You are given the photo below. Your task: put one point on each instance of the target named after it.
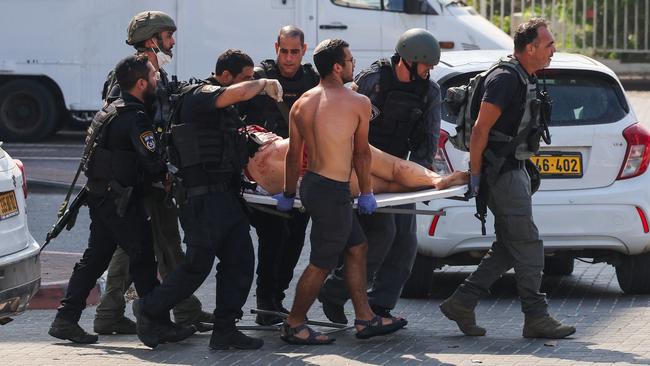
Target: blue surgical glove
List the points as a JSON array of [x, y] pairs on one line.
[[474, 184], [284, 203], [367, 203]]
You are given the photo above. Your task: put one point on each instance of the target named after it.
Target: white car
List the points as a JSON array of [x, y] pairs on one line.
[[20, 267], [594, 198]]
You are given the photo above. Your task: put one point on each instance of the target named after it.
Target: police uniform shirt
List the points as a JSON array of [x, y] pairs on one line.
[[262, 110], [368, 83], [131, 131], [504, 89], [199, 107]]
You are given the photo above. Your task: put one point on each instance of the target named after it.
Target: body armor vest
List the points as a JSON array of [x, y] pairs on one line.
[[100, 163], [529, 127], [292, 89], [400, 126], [215, 146]]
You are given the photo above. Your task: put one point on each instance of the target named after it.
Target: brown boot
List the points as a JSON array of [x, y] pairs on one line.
[[463, 315], [546, 327]]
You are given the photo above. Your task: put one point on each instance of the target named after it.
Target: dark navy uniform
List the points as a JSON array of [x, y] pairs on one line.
[[408, 122], [126, 158], [280, 240], [210, 156], [164, 222]]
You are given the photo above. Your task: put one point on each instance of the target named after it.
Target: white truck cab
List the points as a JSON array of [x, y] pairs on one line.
[[53, 66]]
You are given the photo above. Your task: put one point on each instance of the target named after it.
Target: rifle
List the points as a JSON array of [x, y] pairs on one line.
[[67, 216]]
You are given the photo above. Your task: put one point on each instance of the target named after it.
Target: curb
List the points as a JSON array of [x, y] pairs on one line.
[[43, 183], [56, 268], [50, 294]]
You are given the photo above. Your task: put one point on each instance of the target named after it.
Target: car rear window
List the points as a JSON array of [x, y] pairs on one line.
[[580, 97]]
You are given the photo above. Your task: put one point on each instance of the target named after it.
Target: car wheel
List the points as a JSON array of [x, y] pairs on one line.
[[421, 280], [558, 265], [633, 274], [27, 111]]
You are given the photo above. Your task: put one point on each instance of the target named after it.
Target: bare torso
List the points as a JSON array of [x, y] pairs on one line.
[[327, 118]]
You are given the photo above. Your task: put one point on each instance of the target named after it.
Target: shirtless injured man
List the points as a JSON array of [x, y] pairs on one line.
[[389, 174]]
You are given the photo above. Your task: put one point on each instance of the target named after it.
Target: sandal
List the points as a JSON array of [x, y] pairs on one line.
[[374, 327], [288, 334]]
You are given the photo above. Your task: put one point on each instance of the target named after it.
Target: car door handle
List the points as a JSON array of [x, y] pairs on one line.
[[333, 26]]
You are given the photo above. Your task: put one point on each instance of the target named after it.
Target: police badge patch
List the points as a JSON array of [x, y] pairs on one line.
[[148, 140], [209, 88]]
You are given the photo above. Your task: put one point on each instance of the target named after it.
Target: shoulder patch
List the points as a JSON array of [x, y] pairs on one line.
[[148, 140], [209, 88]]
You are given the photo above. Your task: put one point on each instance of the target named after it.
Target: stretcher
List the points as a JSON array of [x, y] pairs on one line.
[[385, 201]]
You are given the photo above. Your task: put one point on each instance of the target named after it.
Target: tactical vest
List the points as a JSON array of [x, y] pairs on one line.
[[400, 127], [464, 101], [160, 109], [100, 163], [276, 120], [215, 146]]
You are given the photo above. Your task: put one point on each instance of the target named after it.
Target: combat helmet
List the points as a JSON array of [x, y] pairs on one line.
[[418, 45], [147, 24]]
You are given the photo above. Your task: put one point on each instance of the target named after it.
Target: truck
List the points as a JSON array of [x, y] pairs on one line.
[[56, 54]]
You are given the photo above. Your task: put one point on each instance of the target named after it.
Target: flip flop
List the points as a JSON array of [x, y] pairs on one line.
[[374, 327], [288, 334]]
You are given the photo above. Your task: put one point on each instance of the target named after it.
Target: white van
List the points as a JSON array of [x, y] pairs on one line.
[[56, 54]]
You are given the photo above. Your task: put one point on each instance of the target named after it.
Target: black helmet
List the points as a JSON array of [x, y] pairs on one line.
[[147, 24], [418, 45]]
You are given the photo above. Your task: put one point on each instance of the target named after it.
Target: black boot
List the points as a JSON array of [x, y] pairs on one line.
[[147, 328], [267, 319], [70, 331], [334, 312], [226, 336]]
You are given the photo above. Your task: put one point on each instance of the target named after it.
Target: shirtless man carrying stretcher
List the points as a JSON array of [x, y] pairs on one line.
[[332, 122]]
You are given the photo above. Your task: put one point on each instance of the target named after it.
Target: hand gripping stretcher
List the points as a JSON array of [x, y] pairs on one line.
[[385, 201]]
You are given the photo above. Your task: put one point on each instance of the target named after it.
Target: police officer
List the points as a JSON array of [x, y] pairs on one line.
[[150, 33], [280, 240], [408, 121], [124, 159], [509, 107], [210, 153]]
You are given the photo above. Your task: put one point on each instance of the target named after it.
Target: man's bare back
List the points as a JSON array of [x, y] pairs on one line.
[[328, 117]]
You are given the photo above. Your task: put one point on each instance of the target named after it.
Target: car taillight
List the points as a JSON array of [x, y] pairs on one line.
[[441, 163], [21, 166], [434, 224], [644, 220], [637, 155]]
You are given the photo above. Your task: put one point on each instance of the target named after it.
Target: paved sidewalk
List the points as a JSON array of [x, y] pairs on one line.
[[613, 328]]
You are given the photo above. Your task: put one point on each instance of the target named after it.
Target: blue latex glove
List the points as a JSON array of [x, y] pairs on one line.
[[284, 203], [367, 203], [474, 184]]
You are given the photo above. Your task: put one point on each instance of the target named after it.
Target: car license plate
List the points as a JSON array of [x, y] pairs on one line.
[[559, 164], [8, 205]]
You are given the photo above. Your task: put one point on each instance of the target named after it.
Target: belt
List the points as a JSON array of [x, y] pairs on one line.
[[202, 190], [512, 164]]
